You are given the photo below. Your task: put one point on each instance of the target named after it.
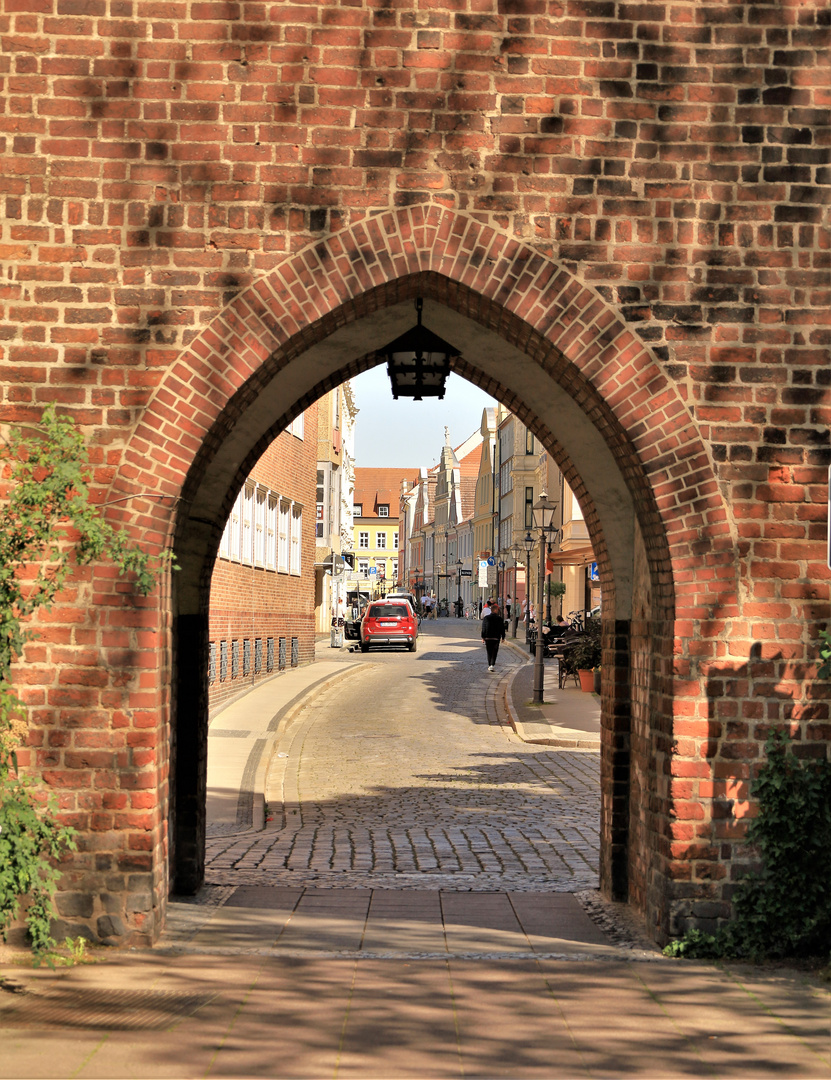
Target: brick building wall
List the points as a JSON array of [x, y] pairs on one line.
[[630, 198], [261, 606]]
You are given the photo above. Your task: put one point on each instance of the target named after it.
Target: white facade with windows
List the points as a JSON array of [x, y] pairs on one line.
[[264, 530]]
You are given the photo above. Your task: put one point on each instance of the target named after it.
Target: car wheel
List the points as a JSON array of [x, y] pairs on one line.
[[364, 647], [413, 646]]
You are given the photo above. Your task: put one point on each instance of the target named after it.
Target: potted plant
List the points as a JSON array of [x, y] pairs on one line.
[[587, 653]]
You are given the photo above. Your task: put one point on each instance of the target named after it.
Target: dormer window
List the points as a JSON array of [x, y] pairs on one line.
[[384, 510], [358, 510]]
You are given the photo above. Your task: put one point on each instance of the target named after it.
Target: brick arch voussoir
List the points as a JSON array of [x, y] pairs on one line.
[[503, 283]]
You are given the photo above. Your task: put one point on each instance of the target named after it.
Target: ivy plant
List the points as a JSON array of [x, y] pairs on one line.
[[48, 527], [783, 909]]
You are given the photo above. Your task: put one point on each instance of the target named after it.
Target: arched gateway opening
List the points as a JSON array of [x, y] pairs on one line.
[[550, 349]]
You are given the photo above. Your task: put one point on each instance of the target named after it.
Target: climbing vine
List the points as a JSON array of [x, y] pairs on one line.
[[784, 909], [48, 527]]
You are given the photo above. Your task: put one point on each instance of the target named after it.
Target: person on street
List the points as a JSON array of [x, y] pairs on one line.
[[486, 610], [493, 631]]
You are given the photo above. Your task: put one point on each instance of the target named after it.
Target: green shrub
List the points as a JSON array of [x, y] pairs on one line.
[[784, 910]]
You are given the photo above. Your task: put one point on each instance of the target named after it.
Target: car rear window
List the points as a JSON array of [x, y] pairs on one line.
[[388, 611]]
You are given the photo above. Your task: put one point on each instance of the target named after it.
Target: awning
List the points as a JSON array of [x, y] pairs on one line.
[[577, 556]]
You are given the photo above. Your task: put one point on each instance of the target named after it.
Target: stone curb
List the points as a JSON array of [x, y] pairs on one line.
[[570, 739]]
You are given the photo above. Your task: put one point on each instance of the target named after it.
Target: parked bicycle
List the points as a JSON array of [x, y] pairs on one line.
[[575, 620]]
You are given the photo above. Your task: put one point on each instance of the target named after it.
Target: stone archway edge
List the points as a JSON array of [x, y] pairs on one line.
[[313, 291]]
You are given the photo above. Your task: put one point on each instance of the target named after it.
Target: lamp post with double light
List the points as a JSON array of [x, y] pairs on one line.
[[543, 510]]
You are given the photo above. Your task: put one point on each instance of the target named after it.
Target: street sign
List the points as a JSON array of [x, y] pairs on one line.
[[491, 561], [333, 564], [466, 573]]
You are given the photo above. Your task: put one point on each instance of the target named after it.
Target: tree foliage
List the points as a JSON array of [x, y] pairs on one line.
[[48, 527]]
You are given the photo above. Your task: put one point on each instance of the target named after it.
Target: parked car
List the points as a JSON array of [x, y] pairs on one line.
[[408, 596], [389, 622]]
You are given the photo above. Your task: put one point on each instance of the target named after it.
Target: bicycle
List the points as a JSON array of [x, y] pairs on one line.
[[575, 620]]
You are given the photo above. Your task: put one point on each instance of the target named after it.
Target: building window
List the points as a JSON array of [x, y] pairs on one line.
[[529, 442], [358, 510], [297, 427], [363, 539], [234, 524], [380, 540], [283, 527], [271, 533], [395, 569], [296, 537], [247, 542], [363, 568], [529, 508], [395, 541], [384, 510], [320, 496], [260, 507]]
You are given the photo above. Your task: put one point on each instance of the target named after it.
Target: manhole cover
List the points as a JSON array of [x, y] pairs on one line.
[[122, 1010]]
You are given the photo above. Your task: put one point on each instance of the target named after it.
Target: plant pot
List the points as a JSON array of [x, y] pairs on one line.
[[586, 681]]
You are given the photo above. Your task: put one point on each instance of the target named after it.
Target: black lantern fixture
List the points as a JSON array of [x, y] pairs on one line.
[[418, 362]]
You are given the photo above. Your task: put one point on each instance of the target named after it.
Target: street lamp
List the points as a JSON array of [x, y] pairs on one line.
[[418, 362], [459, 565], [516, 555], [543, 510], [528, 544]]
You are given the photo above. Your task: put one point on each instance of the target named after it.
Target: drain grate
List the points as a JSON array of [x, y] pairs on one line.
[[109, 1010]]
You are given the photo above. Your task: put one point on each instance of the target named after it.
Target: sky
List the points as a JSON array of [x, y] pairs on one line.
[[398, 434]]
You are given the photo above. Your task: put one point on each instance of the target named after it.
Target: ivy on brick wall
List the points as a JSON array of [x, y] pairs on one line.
[[48, 527], [784, 908]]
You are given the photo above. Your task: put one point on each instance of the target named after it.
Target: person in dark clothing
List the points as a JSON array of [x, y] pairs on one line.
[[493, 631]]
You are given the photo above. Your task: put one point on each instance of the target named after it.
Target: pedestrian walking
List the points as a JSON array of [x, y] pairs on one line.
[[493, 631], [486, 610]]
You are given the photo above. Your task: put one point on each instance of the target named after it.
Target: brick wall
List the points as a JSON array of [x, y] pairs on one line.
[[262, 620], [633, 194]]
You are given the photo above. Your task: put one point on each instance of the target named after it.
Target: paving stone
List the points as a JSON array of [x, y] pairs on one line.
[[405, 775]]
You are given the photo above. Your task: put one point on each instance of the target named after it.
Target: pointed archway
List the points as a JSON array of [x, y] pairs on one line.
[[550, 349]]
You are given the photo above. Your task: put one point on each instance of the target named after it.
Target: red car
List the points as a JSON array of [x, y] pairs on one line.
[[389, 622]]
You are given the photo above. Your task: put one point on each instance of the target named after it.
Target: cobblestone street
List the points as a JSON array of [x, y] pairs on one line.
[[404, 776]]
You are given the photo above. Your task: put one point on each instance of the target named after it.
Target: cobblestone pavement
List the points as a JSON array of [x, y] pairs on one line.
[[404, 776]]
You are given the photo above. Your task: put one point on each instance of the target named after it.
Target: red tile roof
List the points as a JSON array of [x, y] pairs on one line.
[[374, 487]]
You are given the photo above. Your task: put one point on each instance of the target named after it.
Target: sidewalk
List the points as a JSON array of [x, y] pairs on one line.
[[242, 737]]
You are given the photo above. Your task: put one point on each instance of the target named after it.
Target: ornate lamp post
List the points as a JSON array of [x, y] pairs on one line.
[[528, 544], [516, 555], [459, 605], [543, 510]]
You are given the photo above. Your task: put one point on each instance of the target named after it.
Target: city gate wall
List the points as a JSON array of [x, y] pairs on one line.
[[194, 194]]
